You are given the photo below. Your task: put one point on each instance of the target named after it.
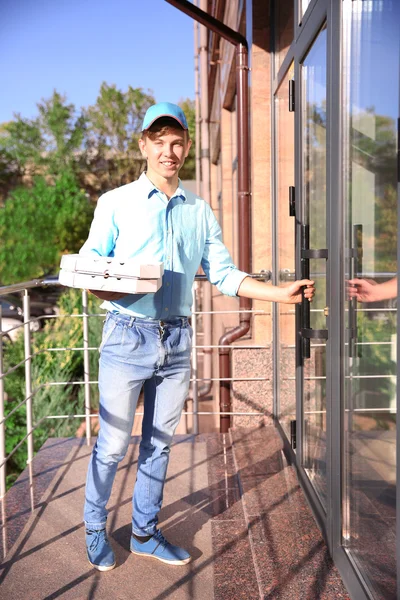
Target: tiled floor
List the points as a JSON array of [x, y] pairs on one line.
[[229, 499], [290, 557]]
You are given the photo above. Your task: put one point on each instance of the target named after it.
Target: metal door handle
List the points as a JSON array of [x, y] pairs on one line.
[[356, 256], [306, 332]]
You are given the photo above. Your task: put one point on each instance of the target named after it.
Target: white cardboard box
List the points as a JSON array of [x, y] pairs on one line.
[[110, 274]]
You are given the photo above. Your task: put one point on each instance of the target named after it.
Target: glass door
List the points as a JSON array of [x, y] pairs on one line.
[[370, 174], [312, 231], [285, 225]]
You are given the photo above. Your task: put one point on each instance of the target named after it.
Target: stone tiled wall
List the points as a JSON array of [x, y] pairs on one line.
[[252, 396]]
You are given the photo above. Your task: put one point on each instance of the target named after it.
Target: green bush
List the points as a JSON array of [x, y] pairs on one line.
[[47, 367], [39, 224]]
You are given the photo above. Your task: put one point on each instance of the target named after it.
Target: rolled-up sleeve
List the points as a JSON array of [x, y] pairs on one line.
[[217, 262], [103, 230]]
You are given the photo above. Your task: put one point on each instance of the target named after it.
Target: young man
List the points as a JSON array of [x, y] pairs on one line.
[[147, 337]]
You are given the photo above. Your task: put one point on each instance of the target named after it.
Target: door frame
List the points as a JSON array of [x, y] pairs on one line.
[[329, 520]]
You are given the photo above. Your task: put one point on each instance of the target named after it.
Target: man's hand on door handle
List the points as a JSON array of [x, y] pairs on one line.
[[287, 294]]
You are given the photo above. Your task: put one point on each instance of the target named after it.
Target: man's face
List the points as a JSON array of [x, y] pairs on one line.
[[166, 153]]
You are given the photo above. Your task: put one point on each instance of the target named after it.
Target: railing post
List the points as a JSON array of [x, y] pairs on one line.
[[195, 386], [86, 363], [28, 375], [2, 415]]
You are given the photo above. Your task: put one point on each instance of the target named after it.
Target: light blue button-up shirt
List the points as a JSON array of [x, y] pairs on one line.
[[138, 221]]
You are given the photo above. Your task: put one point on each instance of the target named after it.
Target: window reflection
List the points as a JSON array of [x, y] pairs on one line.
[[304, 6], [314, 238], [371, 289]]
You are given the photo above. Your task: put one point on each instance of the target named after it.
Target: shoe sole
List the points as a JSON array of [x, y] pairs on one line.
[[102, 568], [177, 563]]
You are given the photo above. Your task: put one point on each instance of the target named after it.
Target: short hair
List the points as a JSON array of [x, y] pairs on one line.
[[162, 126]]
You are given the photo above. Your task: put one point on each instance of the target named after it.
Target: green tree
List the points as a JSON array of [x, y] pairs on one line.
[[378, 156], [114, 126], [21, 144], [39, 224], [47, 144], [63, 131], [188, 170]]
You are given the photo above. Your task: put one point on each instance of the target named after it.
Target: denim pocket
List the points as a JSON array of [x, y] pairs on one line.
[[108, 328], [132, 338]]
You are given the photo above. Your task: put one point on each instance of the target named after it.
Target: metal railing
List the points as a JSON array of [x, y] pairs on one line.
[[87, 382], [87, 415]]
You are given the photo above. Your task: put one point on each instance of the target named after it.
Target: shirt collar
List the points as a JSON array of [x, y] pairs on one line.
[[149, 188]]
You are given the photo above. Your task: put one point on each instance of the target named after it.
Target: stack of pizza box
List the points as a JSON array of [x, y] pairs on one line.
[[110, 274]]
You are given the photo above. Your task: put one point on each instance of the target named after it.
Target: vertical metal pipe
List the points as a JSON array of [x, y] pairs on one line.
[[204, 111], [197, 105], [86, 362], [244, 186], [2, 415], [244, 195], [195, 386], [28, 375], [4, 527], [206, 195]]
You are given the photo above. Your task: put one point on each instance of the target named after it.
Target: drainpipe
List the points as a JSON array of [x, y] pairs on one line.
[[203, 167], [242, 91], [197, 104], [245, 304], [206, 195]]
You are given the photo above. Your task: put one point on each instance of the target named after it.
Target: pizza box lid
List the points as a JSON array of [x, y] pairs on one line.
[[127, 285], [108, 266]]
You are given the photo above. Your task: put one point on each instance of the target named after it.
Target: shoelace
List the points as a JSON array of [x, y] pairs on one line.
[[98, 536], [160, 538]]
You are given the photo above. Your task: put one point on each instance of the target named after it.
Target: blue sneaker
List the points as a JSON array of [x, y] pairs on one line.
[[99, 552], [158, 547]]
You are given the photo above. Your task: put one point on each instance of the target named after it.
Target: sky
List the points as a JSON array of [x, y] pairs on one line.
[[74, 45]]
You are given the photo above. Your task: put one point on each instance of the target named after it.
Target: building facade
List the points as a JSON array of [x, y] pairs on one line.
[[323, 118]]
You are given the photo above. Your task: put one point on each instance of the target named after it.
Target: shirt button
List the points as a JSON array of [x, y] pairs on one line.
[[167, 283], [166, 309]]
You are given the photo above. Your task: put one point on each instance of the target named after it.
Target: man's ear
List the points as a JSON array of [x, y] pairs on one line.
[[142, 147], [189, 143]]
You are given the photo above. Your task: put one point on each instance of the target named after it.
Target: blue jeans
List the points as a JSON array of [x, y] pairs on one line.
[[134, 353]]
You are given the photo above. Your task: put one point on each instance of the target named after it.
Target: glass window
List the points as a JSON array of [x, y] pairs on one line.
[[371, 104], [314, 238]]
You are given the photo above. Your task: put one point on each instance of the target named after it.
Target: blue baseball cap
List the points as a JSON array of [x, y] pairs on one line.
[[164, 109]]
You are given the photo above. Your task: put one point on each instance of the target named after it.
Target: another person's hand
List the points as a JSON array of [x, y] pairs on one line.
[[364, 290], [292, 293], [368, 290], [107, 295]]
